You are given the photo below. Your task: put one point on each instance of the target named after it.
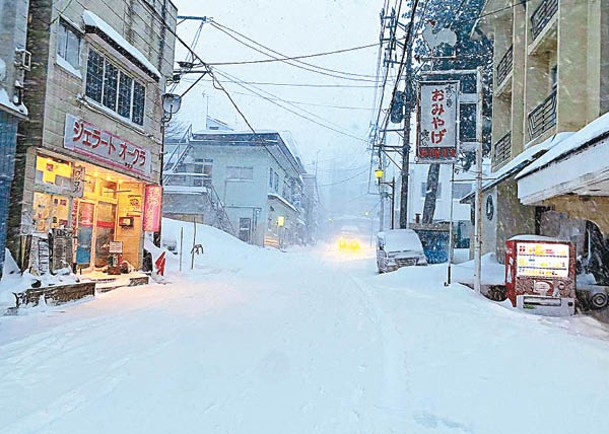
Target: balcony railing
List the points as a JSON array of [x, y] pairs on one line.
[[503, 149], [504, 67], [543, 117], [542, 16]]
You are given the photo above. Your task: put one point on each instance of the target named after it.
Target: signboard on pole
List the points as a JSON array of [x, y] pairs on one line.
[[438, 129], [152, 208]]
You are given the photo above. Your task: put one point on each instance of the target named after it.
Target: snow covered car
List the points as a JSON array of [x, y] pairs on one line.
[[398, 248]]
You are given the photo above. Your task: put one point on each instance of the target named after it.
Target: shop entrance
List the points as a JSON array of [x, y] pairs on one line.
[[105, 208]]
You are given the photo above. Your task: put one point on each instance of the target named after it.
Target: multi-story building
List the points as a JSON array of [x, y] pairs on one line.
[[253, 179], [92, 148], [551, 69], [14, 60]]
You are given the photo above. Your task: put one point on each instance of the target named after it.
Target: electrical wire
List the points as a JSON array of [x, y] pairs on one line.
[[274, 100], [310, 67], [307, 56]]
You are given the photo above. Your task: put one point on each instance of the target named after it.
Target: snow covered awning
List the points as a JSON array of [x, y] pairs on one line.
[[578, 165], [522, 160], [97, 26]]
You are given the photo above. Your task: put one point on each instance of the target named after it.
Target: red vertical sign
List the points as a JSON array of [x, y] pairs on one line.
[[153, 198]]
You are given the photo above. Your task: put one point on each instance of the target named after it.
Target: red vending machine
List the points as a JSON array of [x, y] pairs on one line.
[[540, 274]]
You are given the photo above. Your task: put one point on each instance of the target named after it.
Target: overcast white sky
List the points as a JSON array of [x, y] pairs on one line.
[[293, 27]]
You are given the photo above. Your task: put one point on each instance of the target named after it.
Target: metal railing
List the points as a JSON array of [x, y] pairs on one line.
[[503, 149], [542, 16], [504, 67], [543, 117]]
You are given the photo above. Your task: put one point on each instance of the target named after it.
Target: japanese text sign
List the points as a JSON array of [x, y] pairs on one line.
[[152, 208], [437, 137], [89, 140]]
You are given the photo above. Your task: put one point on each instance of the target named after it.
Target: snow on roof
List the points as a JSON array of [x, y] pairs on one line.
[[593, 130], [92, 20], [523, 159], [401, 239]]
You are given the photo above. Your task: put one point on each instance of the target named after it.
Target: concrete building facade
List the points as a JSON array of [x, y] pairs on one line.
[[550, 80], [256, 178], [14, 61], [92, 147]]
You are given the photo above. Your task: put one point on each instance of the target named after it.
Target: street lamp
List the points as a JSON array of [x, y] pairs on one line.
[[171, 105], [378, 174]]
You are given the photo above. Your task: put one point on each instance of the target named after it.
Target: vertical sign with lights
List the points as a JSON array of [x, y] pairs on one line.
[[152, 208], [438, 128]]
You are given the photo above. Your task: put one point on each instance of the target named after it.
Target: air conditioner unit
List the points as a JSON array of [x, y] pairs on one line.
[[23, 59]]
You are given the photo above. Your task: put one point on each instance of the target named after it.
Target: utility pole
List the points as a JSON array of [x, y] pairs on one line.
[[478, 211], [405, 154]]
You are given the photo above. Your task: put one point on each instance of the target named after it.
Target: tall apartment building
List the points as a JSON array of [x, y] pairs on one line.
[[14, 60], [92, 147], [551, 79]]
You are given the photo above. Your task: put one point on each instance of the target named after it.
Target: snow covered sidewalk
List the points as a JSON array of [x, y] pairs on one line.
[[257, 341]]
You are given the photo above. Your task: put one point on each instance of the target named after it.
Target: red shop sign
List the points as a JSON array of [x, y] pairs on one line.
[[153, 198]]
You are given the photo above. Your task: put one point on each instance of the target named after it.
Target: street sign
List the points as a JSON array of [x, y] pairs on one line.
[[438, 132]]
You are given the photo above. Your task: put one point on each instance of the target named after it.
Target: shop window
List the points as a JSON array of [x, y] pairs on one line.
[[68, 44], [90, 184], [50, 212], [108, 189], [114, 88], [54, 174]]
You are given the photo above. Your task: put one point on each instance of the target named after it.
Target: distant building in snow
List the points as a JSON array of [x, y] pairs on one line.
[[250, 185]]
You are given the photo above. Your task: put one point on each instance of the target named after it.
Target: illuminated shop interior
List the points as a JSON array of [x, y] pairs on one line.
[[106, 207]]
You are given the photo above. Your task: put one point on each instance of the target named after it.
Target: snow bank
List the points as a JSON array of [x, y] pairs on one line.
[[493, 273]]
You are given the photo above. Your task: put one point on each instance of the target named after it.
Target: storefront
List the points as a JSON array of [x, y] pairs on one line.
[[88, 216]]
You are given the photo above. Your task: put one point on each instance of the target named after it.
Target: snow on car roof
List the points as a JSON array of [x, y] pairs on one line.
[[401, 239]]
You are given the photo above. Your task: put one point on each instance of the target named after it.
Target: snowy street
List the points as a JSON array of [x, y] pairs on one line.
[[309, 341]]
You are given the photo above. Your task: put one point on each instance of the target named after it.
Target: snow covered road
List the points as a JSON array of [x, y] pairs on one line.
[[304, 342]]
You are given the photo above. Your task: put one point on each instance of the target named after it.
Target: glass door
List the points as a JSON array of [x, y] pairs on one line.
[[104, 232]]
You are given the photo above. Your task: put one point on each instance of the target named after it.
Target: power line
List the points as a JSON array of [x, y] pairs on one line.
[[273, 100], [342, 181], [307, 56], [309, 67]]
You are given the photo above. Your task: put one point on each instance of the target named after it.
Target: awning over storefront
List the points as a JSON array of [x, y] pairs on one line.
[[578, 165]]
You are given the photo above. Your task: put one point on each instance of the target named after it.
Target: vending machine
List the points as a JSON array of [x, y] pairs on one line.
[[540, 274]]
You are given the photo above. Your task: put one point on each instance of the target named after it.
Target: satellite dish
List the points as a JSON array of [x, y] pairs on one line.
[[171, 103]]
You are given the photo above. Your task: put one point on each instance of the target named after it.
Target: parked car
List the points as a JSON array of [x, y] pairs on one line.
[[398, 248]]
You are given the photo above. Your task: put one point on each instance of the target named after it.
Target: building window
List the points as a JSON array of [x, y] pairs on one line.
[[271, 178], [68, 45], [240, 173], [115, 89], [461, 190]]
